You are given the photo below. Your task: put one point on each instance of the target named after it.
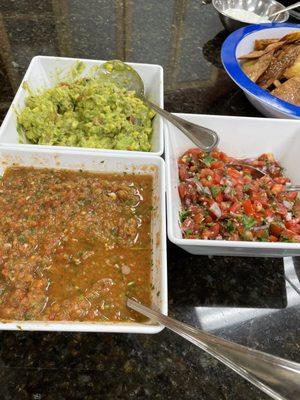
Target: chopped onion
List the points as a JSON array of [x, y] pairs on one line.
[[287, 204], [227, 190], [270, 219], [289, 216], [258, 228], [125, 269], [201, 188], [215, 209]]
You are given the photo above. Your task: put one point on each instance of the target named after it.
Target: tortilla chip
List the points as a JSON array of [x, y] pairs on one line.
[[259, 53], [293, 70], [255, 68], [289, 91], [291, 37], [261, 44], [282, 60], [253, 54]]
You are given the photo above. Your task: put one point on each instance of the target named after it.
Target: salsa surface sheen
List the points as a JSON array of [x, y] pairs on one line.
[[74, 244]]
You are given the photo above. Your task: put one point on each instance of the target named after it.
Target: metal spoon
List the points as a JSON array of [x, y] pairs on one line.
[[127, 77], [295, 5], [277, 377], [260, 173]]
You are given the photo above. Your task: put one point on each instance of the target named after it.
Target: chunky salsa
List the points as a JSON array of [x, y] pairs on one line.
[[223, 199], [74, 244]]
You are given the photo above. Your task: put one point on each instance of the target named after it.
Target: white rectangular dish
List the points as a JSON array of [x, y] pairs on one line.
[[239, 137], [103, 162], [42, 73]]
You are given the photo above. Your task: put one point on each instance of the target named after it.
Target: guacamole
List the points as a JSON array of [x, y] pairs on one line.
[[88, 112]]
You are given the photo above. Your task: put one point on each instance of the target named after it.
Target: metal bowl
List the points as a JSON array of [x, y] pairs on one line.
[[260, 7]]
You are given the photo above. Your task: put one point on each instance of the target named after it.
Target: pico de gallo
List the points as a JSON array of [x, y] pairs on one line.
[[223, 199]]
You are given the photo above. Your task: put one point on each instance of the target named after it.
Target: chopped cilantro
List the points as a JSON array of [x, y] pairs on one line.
[[208, 160], [183, 215], [188, 232], [215, 190], [248, 221], [285, 239], [246, 187], [22, 239], [230, 226]]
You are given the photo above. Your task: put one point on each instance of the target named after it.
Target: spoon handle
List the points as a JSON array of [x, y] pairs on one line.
[[285, 9], [277, 377], [203, 137], [292, 188]]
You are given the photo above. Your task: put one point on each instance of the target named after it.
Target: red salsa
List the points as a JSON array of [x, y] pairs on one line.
[[223, 200], [74, 244]]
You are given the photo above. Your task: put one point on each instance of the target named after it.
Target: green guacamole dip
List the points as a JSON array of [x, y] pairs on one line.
[[89, 112]]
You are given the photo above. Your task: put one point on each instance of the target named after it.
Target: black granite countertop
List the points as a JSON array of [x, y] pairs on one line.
[[254, 302]]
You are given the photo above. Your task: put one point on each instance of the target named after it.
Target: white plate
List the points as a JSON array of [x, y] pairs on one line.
[[239, 137], [103, 162], [42, 73]]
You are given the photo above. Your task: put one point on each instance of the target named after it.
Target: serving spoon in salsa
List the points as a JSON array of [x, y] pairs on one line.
[[124, 75], [277, 377]]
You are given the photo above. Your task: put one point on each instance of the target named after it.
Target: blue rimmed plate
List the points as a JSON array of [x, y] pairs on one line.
[[241, 42]]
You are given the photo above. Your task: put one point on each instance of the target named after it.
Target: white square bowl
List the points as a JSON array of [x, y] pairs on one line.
[[42, 73], [103, 162], [239, 137]]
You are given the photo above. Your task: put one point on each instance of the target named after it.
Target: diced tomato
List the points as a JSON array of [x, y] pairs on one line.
[[219, 197], [257, 205], [188, 224], [182, 190], [281, 180], [277, 188], [273, 238], [290, 195], [196, 152], [281, 209], [212, 231], [198, 218], [260, 233], [275, 229], [216, 164], [288, 234], [222, 156], [236, 206], [269, 212], [217, 178], [248, 208], [183, 171], [293, 226], [234, 173], [208, 219]]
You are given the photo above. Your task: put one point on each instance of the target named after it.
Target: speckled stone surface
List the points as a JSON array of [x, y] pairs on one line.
[[245, 300]]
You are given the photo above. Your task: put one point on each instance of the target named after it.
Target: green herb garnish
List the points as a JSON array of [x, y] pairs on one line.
[[22, 238], [215, 190], [208, 160], [246, 187], [248, 221], [183, 215], [230, 226]]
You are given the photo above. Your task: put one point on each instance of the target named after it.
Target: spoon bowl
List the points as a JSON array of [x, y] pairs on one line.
[[125, 76]]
